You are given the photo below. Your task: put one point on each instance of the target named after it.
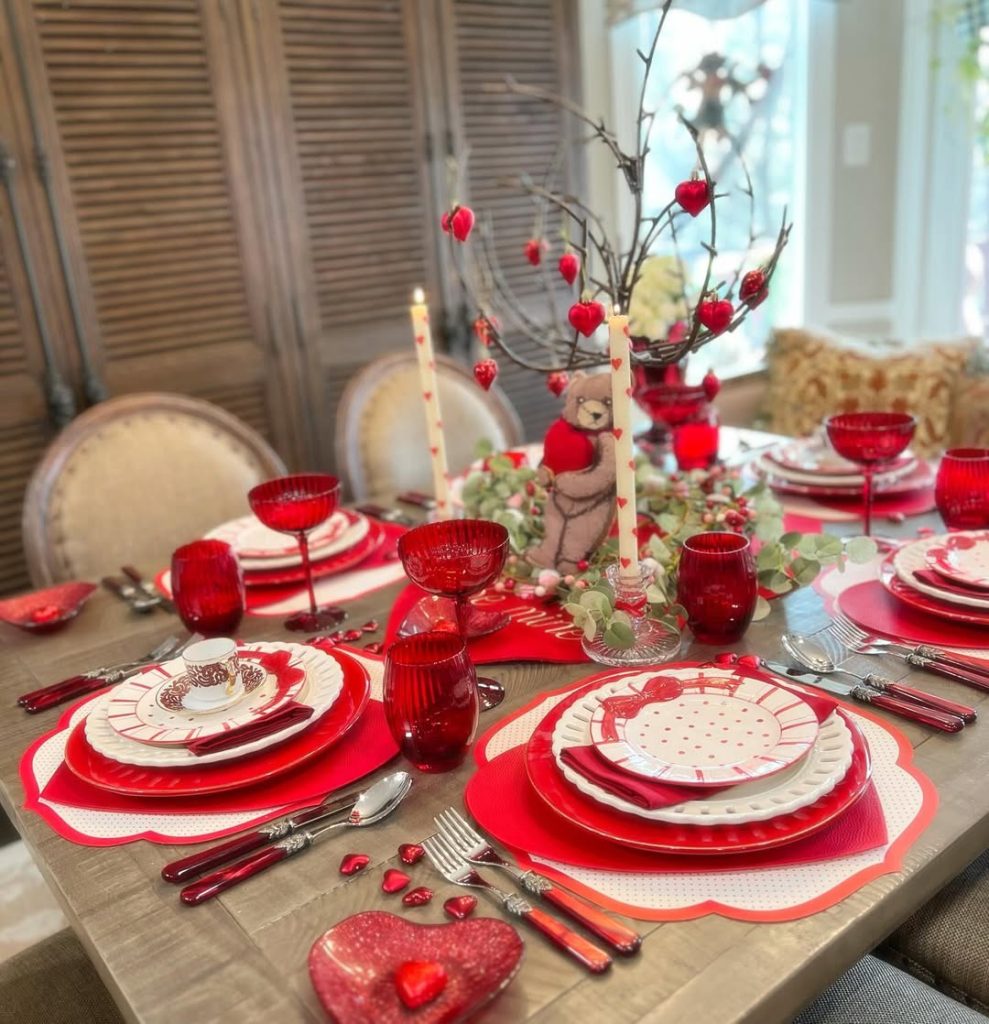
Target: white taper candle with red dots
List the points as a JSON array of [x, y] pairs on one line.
[[621, 415], [431, 402]]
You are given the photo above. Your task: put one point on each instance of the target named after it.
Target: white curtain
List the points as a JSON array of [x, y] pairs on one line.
[[619, 10]]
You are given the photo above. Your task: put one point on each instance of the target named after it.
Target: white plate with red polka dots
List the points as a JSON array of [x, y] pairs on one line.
[[701, 727]]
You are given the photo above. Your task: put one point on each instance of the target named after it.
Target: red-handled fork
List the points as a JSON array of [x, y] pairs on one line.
[[475, 849], [455, 869]]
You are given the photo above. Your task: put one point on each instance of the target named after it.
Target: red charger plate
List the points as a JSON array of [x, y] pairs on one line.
[[136, 780], [665, 837], [925, 603], [340, 562]]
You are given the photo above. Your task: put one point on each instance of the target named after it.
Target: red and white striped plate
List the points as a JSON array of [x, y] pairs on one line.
[[701, 727]]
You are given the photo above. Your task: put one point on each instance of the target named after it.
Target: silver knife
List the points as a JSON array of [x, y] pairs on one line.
[[148, 589]]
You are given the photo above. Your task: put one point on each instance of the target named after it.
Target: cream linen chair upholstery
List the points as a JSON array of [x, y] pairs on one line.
[[381, 429], [131, 479]]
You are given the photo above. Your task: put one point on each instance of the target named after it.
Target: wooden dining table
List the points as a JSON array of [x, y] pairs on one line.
[[242, 957]]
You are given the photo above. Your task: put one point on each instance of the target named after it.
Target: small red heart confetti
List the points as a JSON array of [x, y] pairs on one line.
[[711, 385], [411, 853], [557, 382], [376, 647], [419, 982], [394, 880], [459, 907], [534, 250], [569, 267], [692, 195], [586, 317], [715, 314], [485, 372], [417, 897], [353, 634], [753, 291], [617, 431], [371, 626], [354, 862]]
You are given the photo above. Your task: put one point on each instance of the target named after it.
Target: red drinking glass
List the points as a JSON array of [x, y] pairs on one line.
[[297, 504], [431, 700], [695, 441], [962, 488], [870, 439], [716, 583], [208, 587]]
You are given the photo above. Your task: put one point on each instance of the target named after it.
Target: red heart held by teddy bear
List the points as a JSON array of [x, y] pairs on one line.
[[569, 267], [355, 965], [715, 314], [586, 317], [485, 372], [692, 195]]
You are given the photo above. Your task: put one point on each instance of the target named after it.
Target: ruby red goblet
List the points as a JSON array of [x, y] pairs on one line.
[[296, 505], [208, 587], [717, 585], [871, 439]]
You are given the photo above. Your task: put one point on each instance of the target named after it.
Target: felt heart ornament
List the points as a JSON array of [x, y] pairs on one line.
[[485, 372], [715, 314], [557, 382], [586, 317], [692, 195], [356, 965], [394, 881], [534, 250], [418, 982], [569, 267], [753, 291], [462, 222]]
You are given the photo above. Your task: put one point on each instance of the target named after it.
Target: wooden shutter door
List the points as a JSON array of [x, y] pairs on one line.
[[171, 301], [507, 135]]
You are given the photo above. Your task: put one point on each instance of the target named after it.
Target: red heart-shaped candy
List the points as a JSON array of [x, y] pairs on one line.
[[692, 195], [411, 853], [418, 982], [459, 907], [354, 862], [394, 880], [418, 897]]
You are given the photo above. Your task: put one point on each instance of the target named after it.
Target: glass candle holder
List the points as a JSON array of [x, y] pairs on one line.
[[962, 488], [716, 584], [431, 700], [208, 587]]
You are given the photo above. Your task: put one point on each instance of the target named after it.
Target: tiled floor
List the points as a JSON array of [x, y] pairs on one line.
[[28, 911]]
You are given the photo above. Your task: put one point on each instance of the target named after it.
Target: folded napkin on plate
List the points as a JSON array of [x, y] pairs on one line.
[[933, 579], [275, 722]]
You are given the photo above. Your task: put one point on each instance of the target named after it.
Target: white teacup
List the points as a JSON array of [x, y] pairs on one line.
[[213, 672]]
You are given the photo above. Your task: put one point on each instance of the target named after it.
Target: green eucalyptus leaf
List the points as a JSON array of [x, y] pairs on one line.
[[790, 540], [769, 528], [619, 635], [770, 557], [590, 629], [805, 570], [762, 609], [861, 549]]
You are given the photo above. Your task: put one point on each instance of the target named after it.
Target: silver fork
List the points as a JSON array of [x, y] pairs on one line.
[[475, 849], [960, 667], [455, 869]]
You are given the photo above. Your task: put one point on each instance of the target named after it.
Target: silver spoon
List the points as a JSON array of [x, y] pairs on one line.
[[372, 806]]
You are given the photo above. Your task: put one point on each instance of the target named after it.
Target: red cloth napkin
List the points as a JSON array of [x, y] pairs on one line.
[[282, 718], [933, 579], [506, 807], [870, 606], [367, 746], [537, 630]]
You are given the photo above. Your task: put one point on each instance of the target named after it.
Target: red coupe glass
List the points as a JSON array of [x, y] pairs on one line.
[[716, 583], [870, 439], [431, 700], [297, 504], [208, 587], [456, 558], [962, 488]]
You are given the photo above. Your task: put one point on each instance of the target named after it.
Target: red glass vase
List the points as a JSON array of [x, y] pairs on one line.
[[962, 488], [208, 587], [716, 584], [431, 700]]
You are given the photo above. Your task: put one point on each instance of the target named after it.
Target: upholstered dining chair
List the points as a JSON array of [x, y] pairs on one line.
[[131, 479], [381, 430]]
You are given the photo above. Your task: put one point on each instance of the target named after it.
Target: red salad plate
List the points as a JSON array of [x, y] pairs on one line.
[[664, 837], [353, 967], [134, 780], [924, 603], [340, 562]]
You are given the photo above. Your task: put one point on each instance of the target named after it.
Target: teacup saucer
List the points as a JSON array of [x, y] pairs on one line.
[[177, 695]]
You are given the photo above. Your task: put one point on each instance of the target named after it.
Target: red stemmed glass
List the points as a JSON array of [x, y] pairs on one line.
[[870, 439], [456, 558], [431, 699], [208, 587], [962, 488], [716, 583], [297, 504]]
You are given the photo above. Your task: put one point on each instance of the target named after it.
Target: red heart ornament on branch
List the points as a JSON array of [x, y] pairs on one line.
[[485, 372], [715, 314], [557, 382], [569, 267], [534, 250], [586, 317], [459, 221], [753, 291], [692, 195]]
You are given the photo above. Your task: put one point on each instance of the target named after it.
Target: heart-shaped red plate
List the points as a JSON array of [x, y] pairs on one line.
[[353, 965]]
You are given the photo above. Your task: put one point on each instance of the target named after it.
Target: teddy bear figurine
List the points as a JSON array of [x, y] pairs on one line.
[[578, 469]]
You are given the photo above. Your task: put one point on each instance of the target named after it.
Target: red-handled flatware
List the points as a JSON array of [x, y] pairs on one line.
[[455, 869], [475, 849], [932, 700], [373, 805], [187, 868]]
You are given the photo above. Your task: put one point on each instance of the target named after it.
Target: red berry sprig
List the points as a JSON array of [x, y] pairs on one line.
[[485, 372]]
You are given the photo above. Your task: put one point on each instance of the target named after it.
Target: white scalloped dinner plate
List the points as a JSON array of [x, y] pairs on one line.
[[798, 786], [913, 556], [323, 685], [325, 540]]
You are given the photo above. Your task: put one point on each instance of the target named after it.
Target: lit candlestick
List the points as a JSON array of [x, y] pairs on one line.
[[431, 398], [621, 414]]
